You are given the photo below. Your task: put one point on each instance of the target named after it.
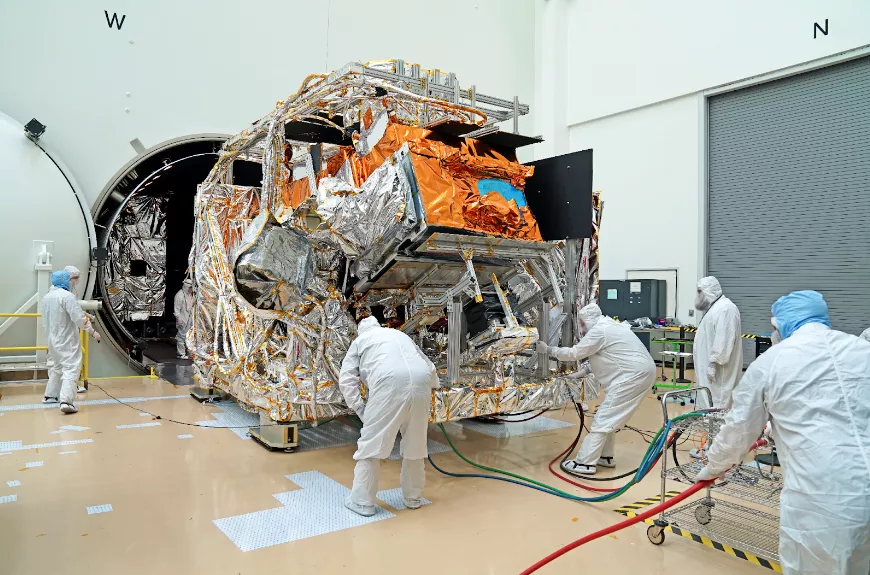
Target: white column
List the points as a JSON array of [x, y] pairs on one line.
[[42, 267]]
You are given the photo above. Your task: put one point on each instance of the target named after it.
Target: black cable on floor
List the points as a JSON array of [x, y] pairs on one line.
[[160, 417]]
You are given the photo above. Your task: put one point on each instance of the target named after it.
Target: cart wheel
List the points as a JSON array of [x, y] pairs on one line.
[[692, 400], [664, 377], [683, 402], [703, 515], [655, 534]]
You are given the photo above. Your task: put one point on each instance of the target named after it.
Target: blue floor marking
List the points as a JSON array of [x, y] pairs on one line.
[[395, 499], [315, 509], [29, 406], [17, 446]]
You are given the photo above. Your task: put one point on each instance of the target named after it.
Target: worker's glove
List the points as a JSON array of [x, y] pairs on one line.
[[711, 373], [582, 372], [705, 475], [542, 347], [97, 337]]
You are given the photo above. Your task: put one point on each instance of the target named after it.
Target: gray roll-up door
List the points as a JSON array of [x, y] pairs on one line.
[[789, 194]]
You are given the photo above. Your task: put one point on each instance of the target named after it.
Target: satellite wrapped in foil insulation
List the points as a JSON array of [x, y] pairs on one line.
[[136, 278], [365, 206]]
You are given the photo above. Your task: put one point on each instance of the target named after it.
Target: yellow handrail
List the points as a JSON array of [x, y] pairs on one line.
[[26, 348], [20, 315]]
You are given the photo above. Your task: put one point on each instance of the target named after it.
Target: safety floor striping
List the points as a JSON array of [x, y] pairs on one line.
[[632, 509], [29, 406]]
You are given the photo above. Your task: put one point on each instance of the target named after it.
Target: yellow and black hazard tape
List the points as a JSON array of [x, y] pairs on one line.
[[631, 510], [692, 329]]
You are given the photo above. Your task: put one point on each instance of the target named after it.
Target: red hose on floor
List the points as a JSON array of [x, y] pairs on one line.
[[619, 526]]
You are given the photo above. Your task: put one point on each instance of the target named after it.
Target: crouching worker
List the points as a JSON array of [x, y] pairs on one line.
[[624, 369], [399, 380]]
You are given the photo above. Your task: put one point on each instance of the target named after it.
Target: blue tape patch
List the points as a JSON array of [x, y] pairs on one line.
[[232, 416], [13, 483], [99, 509], [30, 464], [16, 445], [395, 499], [64, 428], [502, 188], [67, 452], [185, 436], [315, 509], [8, 499], [132, 425]]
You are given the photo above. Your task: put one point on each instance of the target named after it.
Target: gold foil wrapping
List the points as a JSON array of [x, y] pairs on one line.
[[358, 206]]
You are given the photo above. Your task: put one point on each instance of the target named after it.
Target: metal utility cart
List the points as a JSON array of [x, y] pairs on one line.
[[676, 355], [742, 511]]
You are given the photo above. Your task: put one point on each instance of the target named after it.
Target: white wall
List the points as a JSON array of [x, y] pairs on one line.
[[628, 85], [213, 66], [646, 163], [28, 178], [629, 53], [199, 66]]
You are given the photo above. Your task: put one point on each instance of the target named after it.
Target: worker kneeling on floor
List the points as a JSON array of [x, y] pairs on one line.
[[63, 318], [399, 379], [625, 371]]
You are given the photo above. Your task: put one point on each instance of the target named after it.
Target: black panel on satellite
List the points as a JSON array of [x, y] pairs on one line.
[[560, 195]]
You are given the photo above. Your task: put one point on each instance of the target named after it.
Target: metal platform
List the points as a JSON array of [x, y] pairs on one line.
[[276, 437], [202, 395]]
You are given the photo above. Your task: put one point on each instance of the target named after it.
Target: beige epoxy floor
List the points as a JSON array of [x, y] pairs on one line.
[[166, 492]]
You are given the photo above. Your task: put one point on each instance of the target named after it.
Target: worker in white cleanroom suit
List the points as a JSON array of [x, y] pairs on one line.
[[718, 349], [399, 380], [814, 387], [624, 370], [183, 307], [74, 275], [62, 318]]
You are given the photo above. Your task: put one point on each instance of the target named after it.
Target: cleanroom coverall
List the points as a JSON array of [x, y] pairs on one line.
[[718, 348]]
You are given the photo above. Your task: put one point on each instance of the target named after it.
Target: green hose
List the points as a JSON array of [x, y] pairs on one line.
[[607, 497]]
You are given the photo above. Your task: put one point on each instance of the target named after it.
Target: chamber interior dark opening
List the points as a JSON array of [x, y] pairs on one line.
[[148, 223]]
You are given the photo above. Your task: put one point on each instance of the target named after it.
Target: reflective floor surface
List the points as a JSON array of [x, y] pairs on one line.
[[111, 490]]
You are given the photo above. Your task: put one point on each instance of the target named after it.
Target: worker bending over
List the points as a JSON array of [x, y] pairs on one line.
[[814, 387], [718, 349], [399, 380], [625, 371], [63, 318], [183, 308]]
